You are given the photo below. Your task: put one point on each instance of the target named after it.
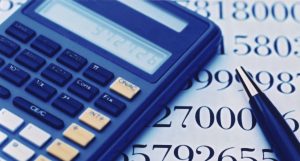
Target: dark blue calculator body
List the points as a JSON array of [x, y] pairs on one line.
[[80, 78]]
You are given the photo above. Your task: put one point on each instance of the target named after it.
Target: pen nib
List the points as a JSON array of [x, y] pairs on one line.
[[249, 86]]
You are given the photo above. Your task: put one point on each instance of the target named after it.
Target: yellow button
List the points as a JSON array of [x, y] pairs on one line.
[[62, 150], [94, 119], [42, 158], [124, 88], [78, 134]]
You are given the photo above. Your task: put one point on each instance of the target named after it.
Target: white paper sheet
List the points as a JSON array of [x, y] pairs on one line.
[[219, 124]]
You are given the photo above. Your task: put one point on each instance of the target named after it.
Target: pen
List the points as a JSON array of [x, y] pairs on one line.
[[276, 130]]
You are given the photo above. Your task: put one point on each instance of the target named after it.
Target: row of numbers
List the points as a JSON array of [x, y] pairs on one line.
[[264, 46], [200, 153], [242, 10], [223, 79], [205, 118]]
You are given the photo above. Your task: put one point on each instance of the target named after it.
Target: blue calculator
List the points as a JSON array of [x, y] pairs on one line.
[[79, 79]]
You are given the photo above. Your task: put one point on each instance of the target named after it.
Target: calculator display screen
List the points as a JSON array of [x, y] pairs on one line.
[[156, 13], [105, 34]]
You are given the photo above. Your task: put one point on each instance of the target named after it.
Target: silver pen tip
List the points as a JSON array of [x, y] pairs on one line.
[[249, 86]]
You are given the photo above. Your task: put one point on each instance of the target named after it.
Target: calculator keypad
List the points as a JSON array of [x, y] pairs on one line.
[[125, 88], [94, 119], [98, 74], [72, 60], [7, 47], [79, 135], [41, 90], [14, 74], [4, 92], [3, 137], [9, 120], [30, 60], [2, 62], [68, 105], [38, 113], [18, 151], [35, 135], [110, 104], [70, 102], [20, 32], [62, 150], [46, 46], [83, 89], [57, 75], [42, 158]]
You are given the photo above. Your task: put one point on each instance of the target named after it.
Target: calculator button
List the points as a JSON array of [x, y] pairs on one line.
[[18, 151], [72, 60], [57, 75], [2, 62], [8, 47], [68, 105], [38, 113], [41, 90], [14, 75], [62, 150], [78, 134], [83, 89], [124, 88], [98, 74], [30, 60], [41, 158], [45, 46], [110, 104], [94, 119], [3, 137], [4, 92], [20, 32], [10, 120], [35, 135]]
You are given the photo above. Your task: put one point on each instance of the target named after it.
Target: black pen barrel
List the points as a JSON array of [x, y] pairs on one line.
[[280, 136]]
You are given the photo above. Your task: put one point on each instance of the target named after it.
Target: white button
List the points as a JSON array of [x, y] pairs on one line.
[[3, 137], [18, 151], [10, 120], [35, 135], [1, 159]]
